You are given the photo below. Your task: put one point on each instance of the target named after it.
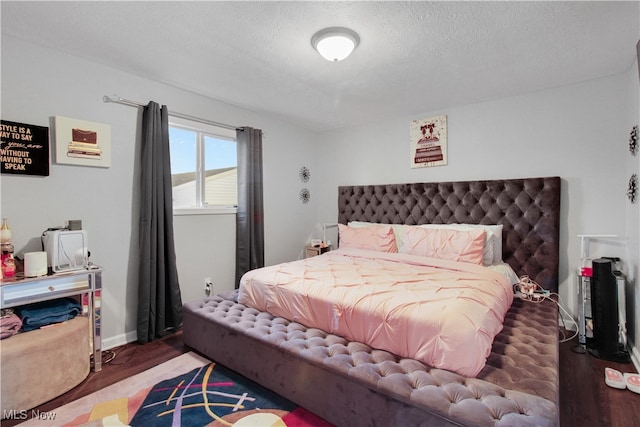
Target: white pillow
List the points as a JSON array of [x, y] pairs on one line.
[[506, 270]]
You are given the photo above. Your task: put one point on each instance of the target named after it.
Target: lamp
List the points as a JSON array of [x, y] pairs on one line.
[[324, 231], [335, 43]]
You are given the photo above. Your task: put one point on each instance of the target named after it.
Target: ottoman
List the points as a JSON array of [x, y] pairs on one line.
[[42, 364]]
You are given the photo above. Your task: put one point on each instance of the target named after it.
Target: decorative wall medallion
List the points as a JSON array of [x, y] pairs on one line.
[[304, 174], [633, 188], [633, 140], [305, 195]]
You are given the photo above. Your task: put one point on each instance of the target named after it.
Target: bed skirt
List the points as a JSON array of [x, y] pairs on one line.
[[349, 383]]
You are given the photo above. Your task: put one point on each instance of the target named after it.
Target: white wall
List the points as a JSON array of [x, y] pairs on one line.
[[632, 257], [39, 83], [577, 132]]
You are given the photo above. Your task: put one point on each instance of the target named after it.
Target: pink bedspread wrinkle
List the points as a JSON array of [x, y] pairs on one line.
[[443, 313]]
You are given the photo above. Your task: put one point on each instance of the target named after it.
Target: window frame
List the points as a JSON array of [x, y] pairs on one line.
[[202, 130]]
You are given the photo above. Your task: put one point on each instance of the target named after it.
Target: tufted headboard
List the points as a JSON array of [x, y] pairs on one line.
[[528, 209]]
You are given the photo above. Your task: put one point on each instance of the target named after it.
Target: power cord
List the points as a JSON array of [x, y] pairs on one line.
[[528, 290], [123, 349], [108, 356]]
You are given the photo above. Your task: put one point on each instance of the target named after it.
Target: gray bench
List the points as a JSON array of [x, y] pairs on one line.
[[349, 383]]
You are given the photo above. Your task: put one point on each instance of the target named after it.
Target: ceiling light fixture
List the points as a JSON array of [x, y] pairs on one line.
[[335, 43]]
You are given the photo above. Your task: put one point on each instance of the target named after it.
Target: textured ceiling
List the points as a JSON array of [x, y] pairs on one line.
[[414, 57]]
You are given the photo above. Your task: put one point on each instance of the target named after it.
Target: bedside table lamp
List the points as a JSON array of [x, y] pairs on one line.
[[324, 230]]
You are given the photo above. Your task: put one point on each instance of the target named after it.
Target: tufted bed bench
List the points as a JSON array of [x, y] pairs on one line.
[[349, 383]]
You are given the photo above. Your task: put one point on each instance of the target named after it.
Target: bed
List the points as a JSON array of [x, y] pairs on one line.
[[349, 381]]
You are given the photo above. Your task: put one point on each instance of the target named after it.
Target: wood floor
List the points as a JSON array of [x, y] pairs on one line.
[[585, 399]]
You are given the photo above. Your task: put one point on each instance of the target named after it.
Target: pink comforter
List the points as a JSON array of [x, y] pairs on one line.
[[443, 313]]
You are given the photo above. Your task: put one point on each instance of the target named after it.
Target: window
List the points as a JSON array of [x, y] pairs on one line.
[[204, 166]]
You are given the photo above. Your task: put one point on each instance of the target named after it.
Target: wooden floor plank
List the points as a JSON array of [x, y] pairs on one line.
[[586, 400]]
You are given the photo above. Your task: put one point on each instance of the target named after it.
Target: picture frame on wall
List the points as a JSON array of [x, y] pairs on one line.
[[428, 142], [24, 149], [82, 143]]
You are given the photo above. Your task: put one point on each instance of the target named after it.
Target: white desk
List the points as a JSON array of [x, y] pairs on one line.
[[16, 291]]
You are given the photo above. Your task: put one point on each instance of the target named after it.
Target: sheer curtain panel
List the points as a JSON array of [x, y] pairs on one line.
[[249, 218], [159, 300]]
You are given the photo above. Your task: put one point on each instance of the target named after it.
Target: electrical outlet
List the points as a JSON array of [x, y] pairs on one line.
[[208, 286]]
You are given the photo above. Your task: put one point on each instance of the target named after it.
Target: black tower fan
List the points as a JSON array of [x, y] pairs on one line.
[[604, 309]]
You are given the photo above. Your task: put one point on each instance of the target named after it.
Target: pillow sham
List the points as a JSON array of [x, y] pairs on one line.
[[492, 251], [397, 228], [496, 239], [444, 243], [374, 238]]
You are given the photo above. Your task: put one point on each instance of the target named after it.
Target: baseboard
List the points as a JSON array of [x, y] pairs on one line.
[[119, 340], [635, 355]]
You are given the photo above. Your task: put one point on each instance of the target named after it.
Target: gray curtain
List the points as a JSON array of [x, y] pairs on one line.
[[249, 219], [159, 300]]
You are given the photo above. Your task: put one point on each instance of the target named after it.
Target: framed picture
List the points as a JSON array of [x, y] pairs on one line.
[[83, 143], [24, 149], [428, 141]]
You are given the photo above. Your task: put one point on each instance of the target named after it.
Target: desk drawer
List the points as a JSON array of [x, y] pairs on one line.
[[41, 290]]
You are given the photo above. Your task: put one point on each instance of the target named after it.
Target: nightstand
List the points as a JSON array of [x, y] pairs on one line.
[[310, 251]]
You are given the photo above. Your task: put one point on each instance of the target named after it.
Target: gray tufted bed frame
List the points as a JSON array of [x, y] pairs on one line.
[[351, 384]]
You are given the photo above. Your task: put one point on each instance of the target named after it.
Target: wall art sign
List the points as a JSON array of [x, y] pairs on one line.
[[83, 143], [24, 148], [428, 142]]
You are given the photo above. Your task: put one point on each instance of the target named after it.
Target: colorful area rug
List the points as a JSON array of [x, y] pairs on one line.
[[186, 391]]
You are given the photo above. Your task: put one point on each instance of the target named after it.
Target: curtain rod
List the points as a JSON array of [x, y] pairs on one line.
[[117, 100]]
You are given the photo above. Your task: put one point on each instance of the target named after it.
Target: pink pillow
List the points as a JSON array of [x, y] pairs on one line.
[[375, 238], [453, 245]]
